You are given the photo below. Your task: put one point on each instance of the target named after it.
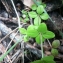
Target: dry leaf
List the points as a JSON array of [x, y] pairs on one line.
[[28, 3]]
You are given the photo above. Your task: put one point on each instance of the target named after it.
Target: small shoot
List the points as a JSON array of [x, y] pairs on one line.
[[25, 16]]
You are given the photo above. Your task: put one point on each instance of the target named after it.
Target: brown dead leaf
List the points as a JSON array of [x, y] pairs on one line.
[[28, 3]]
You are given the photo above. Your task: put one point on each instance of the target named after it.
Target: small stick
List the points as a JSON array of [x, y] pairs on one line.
[[11, 41], [49, 43], [8, 35]]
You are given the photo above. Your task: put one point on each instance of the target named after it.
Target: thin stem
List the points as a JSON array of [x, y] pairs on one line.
[[49, 43], [41, 44], [16, 13], [18, 24]]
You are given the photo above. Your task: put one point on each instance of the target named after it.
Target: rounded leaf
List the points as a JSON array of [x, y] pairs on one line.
[[31, 31], [55, 43], [44, 16], [37, 20], [22, 30], [40, 9], [32, 14], [42, 28], [33, 7], [48, 35]]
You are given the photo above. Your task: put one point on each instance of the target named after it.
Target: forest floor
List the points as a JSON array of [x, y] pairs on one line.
[[11, 51]]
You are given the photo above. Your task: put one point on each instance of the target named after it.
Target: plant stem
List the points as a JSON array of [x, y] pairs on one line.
[[16, 13], [41, 44]]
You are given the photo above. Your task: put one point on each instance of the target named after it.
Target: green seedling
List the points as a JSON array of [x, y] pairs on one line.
[[38, 14], [55, 43], [35, 31], [54, 52], [24, 17], [38, 30]]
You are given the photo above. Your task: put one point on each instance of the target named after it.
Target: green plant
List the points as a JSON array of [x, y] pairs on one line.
[[24, 17], [38, 14], [38, 30]]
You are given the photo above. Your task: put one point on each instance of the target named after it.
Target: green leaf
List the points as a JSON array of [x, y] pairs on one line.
[[32, 14], [37, 61], [37, 20], [26, 19], [33, 7], [36, 27], [44, 16], [24, 12], [31, 31], [48, 59], [40, 9], [38, 40], [26, 38], [48, 35], [22, 30], [42, 28]]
